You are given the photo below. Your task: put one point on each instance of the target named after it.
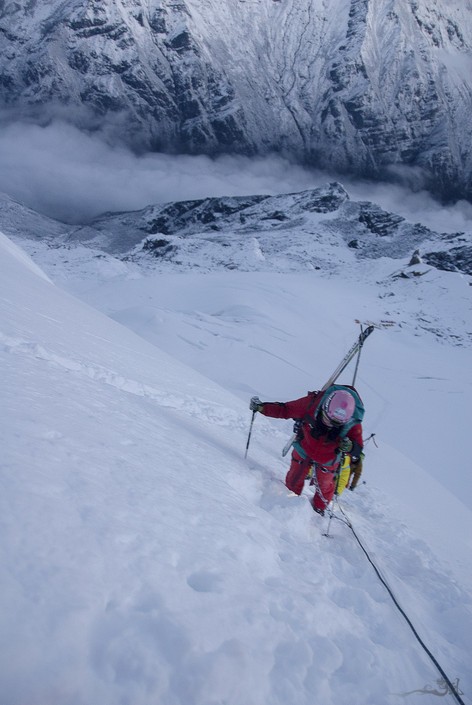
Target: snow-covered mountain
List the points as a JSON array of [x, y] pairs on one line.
[[356, 86], [320, 230], [258, 232]]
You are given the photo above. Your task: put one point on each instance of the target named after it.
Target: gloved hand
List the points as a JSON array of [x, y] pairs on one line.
[[346, 445], [354, 459], [255, 404]]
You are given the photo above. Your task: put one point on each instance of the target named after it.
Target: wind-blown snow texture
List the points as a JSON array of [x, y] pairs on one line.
[[352, 85], [142, 559]]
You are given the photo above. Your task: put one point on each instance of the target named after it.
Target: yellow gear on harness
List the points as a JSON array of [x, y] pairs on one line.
[[344, 473]]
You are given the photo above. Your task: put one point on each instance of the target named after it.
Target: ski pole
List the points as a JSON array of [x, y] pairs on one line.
[[326, 533], [331, 511], [249, 434]]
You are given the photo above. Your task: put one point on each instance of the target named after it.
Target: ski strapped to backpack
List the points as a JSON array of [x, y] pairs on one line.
[[356, 348]]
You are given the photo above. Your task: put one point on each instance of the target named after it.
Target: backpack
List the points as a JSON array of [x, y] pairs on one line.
[[317, 399]]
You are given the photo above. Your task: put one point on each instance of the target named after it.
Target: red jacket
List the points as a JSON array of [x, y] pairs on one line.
[[320, 444]]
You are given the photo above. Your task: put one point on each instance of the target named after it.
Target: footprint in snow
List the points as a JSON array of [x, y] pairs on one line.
[[204, 581]]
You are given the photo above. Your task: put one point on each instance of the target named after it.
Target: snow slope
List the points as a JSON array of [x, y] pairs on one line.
[[144, 561]]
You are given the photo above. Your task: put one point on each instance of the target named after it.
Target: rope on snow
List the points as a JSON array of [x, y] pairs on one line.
[[452, 687]]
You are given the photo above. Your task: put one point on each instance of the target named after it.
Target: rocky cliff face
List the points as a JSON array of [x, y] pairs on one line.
[[357, 86]]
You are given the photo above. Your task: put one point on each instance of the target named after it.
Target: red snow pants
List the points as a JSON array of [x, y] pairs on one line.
[[326, 482]]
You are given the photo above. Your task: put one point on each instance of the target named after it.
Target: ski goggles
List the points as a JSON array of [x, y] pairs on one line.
[[330, 422]]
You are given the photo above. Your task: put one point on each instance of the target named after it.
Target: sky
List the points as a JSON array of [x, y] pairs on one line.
[[73, 176], [144, 560]]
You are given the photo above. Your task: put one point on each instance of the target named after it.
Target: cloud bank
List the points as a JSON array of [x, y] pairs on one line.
[[73, 176]]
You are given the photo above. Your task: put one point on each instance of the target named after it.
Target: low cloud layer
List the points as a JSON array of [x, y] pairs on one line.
[[72, 176]]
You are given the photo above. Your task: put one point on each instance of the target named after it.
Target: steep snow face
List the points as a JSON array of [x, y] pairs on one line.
[[357, 86], [144, 560]]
